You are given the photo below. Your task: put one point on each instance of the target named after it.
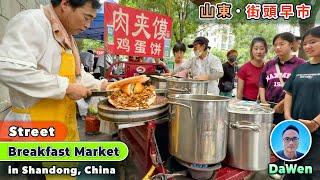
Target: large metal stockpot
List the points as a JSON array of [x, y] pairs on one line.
[[186, 86], [159, 82], [198, 128], [248, 138]]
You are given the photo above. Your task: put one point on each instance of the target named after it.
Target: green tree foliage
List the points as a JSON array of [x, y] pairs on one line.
[[304, 25], [91, 44], [184, 14], [308, 23], [221, 54], [244, 33]]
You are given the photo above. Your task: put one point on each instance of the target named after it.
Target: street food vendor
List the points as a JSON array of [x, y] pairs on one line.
[[40, 63], [203, 65]]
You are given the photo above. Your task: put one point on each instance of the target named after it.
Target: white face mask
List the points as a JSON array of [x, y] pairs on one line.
[[197, 53]]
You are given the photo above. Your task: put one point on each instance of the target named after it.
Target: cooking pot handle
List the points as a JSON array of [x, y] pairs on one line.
[[170, 112], [183, 105], [179, 90], [245, 126]]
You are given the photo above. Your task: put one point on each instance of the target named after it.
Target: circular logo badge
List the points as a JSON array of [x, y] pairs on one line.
[[141, 69], [290, 140]]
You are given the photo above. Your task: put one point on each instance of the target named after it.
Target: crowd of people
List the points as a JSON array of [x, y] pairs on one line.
[[286, 83]]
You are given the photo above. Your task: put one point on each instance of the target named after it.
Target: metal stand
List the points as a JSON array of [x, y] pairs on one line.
[[144, 152]]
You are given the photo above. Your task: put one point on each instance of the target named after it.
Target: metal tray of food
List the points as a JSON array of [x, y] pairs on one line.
[[157, 110]]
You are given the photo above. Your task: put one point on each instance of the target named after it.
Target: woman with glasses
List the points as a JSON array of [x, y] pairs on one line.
[[302, 100]]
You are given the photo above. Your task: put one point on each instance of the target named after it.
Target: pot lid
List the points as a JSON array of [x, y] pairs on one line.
[[186, 80], [159, 77], [248, 107], [198, 97]]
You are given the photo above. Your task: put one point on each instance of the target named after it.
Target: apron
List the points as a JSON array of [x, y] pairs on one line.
[[63, 111]]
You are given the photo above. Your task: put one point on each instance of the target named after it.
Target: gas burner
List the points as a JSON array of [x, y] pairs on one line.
[[200, 171]]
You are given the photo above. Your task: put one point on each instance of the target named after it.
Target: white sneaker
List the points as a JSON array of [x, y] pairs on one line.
[[276, 176]]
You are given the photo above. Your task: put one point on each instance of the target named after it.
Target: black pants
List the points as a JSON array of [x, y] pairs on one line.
[[162, 138], [277, 118]]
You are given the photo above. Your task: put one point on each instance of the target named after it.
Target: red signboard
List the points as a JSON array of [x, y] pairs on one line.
[[136, 32]]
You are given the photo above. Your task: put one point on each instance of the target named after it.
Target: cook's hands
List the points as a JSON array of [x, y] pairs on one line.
[[77, 91], [279, 108], [311, 125], [202, 77], [104, 85]]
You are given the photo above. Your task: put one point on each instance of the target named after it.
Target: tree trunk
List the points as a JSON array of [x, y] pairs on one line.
[[181, 31]]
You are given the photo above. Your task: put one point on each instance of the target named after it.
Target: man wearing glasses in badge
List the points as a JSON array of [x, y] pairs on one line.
[[290, 140]]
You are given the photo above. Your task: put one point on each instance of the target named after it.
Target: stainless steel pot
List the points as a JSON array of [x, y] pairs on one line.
[[186, 86], [160, 82], [161, 92], [248, 139], [198, 128]]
